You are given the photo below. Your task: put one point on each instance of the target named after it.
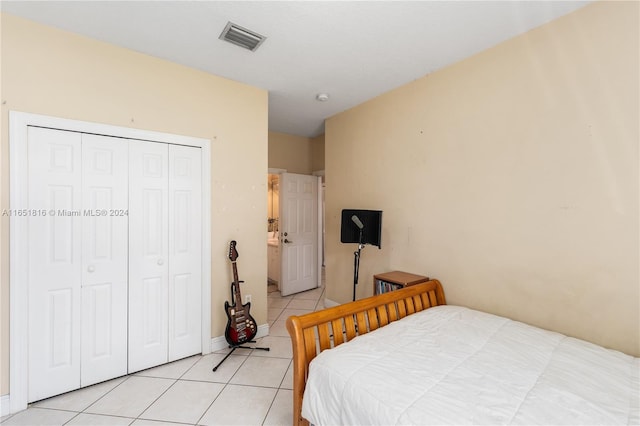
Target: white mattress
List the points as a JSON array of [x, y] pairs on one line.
[[452, 365]]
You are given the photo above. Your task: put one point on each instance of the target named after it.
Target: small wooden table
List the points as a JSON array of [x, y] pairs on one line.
[[395, 280]]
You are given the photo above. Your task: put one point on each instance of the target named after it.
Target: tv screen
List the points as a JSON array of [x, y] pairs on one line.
[[371, 221]]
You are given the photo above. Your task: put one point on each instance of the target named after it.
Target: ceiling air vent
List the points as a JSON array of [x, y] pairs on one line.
[[241, 36]]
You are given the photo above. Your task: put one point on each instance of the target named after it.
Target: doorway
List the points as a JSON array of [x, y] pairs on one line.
[[295, 221], [273, 237]]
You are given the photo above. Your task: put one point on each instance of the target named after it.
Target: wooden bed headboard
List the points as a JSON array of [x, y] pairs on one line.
[[314, 332]]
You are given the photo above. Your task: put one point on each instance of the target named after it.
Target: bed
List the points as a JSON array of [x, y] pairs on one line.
[[410, 358]]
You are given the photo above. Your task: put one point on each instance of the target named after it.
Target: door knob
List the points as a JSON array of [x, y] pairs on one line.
[[287, 241], [160, 262], [91, 268]]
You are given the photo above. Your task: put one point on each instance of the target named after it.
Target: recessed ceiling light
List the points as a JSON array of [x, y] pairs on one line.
[[322, 97], [242, 37]]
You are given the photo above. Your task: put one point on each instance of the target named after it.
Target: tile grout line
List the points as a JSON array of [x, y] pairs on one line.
[[90, 405], [226, 384], [155, 400]]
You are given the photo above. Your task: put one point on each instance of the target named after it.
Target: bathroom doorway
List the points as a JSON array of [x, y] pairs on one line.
[[302, 257], [273, 237]]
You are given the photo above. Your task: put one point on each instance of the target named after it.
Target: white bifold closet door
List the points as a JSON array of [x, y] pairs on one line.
[[104, 258], [164, 258], [185, 251], [78, 260], [114, 257]]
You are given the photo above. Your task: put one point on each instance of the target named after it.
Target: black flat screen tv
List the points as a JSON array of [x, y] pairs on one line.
[[371, 221]]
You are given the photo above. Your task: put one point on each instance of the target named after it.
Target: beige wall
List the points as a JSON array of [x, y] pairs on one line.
[[317, 153], [511, 176], [290, 152], [52, 72]]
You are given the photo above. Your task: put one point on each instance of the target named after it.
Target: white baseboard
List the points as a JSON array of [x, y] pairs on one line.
[[328, 303], [219, 343], [5, 405], [263, 330]]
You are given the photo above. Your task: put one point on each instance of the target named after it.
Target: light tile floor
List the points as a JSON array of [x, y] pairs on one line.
[[252, 387]]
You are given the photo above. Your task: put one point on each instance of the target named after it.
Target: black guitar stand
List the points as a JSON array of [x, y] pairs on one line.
[[356, 265], [233, 348]]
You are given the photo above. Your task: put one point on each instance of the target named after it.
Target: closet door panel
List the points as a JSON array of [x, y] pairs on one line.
[[104, 258], [185, 251], [148, 253], [54, 158]]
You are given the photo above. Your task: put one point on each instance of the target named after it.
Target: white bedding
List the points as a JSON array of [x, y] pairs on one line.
[[452, 365]]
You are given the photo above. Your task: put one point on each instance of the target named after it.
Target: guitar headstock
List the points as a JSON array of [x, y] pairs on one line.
[[233, 253]]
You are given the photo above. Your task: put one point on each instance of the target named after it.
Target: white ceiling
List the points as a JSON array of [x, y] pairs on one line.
[[352, 50]]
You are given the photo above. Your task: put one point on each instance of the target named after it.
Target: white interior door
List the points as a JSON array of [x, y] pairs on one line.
[[148, 252], [105, 244], [298, 232], [185, 251], [54, 262]]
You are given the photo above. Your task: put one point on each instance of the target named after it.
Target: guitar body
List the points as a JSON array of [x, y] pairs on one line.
[[234, 333], [241, 326]]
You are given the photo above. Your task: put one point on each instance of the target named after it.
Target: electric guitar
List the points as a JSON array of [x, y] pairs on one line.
[[241, 327]]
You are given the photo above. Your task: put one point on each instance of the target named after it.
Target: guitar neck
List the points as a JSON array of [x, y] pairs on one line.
[[237, 295]]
